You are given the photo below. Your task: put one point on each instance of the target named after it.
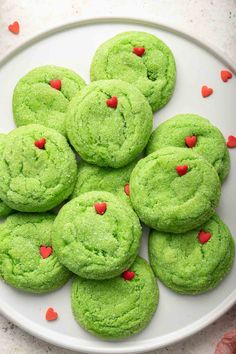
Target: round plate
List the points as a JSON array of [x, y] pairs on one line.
[[73, 46]]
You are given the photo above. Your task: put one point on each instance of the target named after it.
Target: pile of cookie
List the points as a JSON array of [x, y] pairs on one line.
[[82, 217]]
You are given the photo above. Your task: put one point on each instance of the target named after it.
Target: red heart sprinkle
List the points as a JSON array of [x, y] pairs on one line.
[[206, 91], [40, 143], [139, 51], [112, 102], [204, 236], [45, 251], [128, 275], [56, 84], [51, 315], [100, 208], [14, 27], [225, 75], [191, 141], [126, 189], [231, 143], [182, 170]]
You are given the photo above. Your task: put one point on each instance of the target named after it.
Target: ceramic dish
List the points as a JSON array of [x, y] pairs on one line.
[[73, 45]]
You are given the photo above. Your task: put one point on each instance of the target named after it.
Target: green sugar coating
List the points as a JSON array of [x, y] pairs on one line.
[[21, 264], [105, 136], [168, 202], [35, 101], [4, 209], [33, 179], [94, 178], [153, 74], [116, 308], [210, 141], [225, 166], [96, 246], [187, 266]]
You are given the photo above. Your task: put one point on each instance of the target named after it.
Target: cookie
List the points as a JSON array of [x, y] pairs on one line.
[[109, 123], [42, 96], [4, 209], [192, 131], [174, 190], [116, 308], [96, 236], [27, 259], [141, 59], [192, 262], [38, 169], [113, 180]]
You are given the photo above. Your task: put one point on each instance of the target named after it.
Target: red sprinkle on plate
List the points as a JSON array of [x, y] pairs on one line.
[[206, 91], [225, 75], [51, 315], [14, 27], [231, 142]]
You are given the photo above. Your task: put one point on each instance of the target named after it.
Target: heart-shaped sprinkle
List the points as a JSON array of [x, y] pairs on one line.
[[126, 189], [231, 142], [182, 170], [45, 251], [191, 141], [206, 91], [112, 102], [56, 84], [40, 143], [100, 208], [51, 315], [204, 236], [14, 27], [225, 75], [139, 51], [128, 275]]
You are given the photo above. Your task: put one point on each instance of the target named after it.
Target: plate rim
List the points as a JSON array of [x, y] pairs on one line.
[[150, 21], [50, 335]]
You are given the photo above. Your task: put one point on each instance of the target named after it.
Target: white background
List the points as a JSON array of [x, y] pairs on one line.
[[213, 20]]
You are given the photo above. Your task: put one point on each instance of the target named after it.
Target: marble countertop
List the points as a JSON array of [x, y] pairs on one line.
[[214, 20]]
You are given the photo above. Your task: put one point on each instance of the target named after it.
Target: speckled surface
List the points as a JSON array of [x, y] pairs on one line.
[[214, 20]]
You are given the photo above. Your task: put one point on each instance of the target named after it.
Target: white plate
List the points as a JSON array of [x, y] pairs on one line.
[[73, 46]]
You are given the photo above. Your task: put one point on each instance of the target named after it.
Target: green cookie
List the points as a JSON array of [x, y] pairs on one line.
[[94, 178], [34, 179], [166, 201], [153, 73], [109, 136], [210, 142], [96, 245], [35, 101], [187, 265], [4, 209], [116, 308], [27, 260]]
